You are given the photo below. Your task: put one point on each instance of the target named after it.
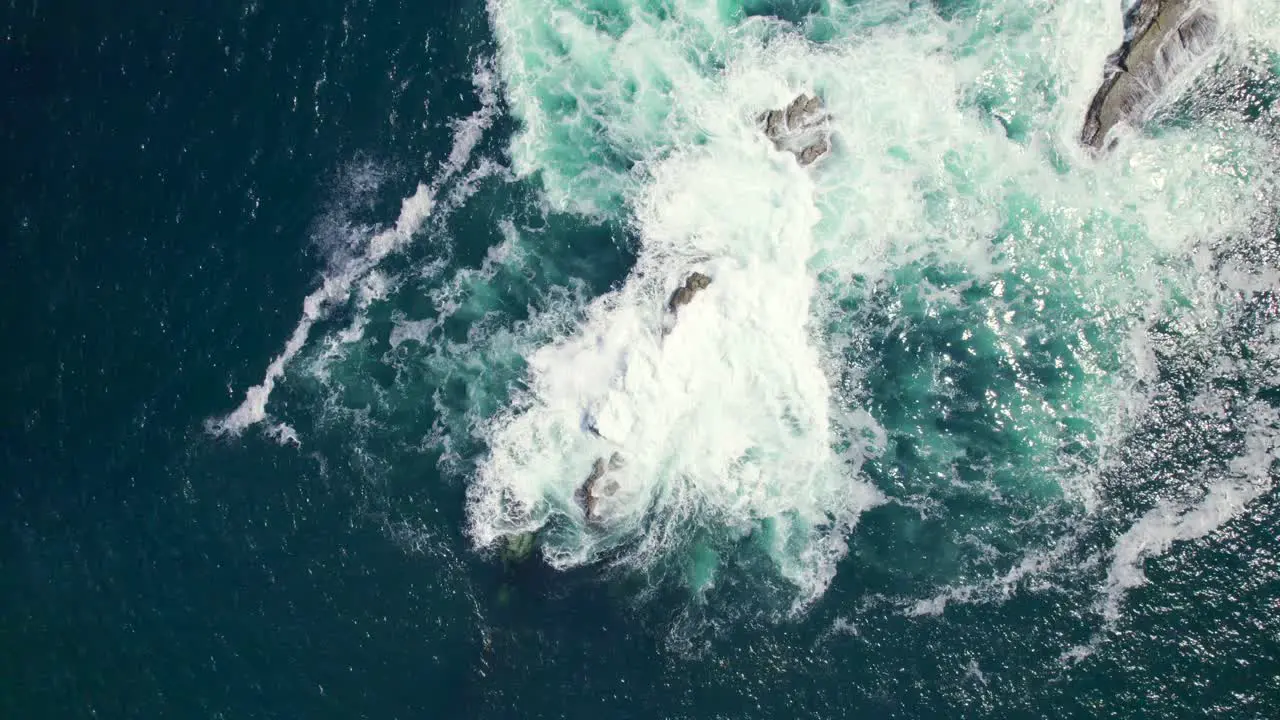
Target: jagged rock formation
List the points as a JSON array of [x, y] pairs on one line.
[[683, 294], [1163, 38], [801, 128], [591, 490]]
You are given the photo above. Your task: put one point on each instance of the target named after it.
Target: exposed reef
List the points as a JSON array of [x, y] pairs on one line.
[[592, 490], [801, 128], [683, 294], [1163, 38]]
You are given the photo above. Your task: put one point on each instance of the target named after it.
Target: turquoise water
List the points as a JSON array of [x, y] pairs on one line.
[[323, 319]]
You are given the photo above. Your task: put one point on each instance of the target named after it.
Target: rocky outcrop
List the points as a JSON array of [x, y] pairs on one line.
[[1163, 38], [683, 294], [592, 490], [801, 128]]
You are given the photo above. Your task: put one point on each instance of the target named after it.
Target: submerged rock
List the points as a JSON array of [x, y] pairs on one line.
[[683, 294], [518, 547], [801, 128], [616, 461], [1163, 39]]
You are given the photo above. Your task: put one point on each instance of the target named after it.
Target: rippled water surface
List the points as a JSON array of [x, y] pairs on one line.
[[320, 320]]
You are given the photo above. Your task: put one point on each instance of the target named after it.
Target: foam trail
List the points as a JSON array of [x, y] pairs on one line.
[[1157, 530], [337, 288], [414, 210], [996, 589]]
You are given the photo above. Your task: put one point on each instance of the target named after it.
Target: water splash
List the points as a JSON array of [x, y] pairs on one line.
[[929, 354], [959, 283]]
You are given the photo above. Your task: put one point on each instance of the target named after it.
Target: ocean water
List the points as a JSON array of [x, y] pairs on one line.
[[318, 317]]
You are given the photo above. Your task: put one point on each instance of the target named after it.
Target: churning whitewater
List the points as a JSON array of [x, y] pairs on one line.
[[959, 309]]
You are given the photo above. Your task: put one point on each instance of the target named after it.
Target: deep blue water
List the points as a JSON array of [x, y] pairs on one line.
[[168, 173]]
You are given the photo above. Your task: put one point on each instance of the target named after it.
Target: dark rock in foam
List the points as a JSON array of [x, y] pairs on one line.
[[591, 491], [801, 128], [683, 294]]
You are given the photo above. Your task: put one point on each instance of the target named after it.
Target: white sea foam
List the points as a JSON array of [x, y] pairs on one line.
[[727, 413], [746, 413], [357, 270], [1000, 588], [336, 288], [1253, 21]]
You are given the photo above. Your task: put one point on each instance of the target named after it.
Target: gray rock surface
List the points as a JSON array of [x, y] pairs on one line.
[[811, 153], [1164, 38], [683, 294], [800, 128], [592, 489]]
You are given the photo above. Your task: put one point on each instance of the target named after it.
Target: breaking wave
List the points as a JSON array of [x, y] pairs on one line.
[[958, 322]]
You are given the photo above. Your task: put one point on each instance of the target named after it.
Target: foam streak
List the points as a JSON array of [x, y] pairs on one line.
[[337, 288], [1155, 533]]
